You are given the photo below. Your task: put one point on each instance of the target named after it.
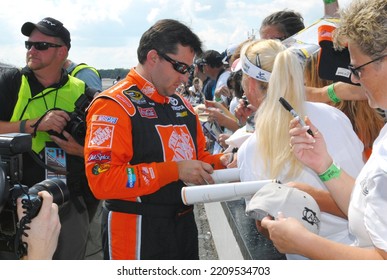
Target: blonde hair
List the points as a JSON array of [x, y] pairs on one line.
[[271, 119]]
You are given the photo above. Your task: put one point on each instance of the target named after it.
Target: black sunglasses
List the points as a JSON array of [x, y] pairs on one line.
[[180, 67], [41, 46], [356, 70]]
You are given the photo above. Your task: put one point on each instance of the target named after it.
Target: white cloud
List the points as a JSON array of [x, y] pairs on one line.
[[198, 7], [106, 33]]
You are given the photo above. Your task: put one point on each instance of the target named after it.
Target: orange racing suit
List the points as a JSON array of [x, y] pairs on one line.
[[134, 138]]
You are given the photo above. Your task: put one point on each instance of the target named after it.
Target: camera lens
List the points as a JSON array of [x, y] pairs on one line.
[[56, 187], [78, 131]]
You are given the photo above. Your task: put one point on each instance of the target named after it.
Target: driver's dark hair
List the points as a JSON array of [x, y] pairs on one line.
[[164, 36]]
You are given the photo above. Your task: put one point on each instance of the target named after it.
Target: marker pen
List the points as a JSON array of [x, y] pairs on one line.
[[288, 107]]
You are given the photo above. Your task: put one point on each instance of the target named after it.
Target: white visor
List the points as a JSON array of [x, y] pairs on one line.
[[254, 71]]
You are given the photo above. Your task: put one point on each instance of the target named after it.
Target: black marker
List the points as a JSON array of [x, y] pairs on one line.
[[288, 107]]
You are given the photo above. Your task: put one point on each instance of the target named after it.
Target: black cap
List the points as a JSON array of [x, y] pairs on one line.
[[48, 26], [332, 63], [213, 58]]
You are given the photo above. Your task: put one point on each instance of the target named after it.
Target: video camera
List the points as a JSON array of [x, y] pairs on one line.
[[76, 126], [12, 146]]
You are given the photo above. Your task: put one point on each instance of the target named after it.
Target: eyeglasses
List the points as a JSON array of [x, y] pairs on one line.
[[41, 46], [180, 67], [356, 70]]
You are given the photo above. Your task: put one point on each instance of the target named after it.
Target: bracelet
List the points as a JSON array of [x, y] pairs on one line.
[[329, 1], [332, 94], [22, 126], [333, 171]]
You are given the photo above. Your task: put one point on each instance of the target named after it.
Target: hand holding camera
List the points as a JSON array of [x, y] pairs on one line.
[[42, 235], [29, 203]]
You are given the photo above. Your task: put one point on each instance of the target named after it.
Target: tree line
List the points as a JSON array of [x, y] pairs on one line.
[[113, 73], [105, 73]]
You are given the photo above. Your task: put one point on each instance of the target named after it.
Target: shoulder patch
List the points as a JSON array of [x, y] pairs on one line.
[[135, 95]]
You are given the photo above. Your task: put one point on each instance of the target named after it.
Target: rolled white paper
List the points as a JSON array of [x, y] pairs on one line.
[[221, 192], [226, 175]]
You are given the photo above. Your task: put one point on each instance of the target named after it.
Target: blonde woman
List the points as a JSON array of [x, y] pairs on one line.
[[272, 71], [364, 199]]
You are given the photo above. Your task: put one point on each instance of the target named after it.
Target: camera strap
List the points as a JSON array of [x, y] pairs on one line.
[[35, 125]]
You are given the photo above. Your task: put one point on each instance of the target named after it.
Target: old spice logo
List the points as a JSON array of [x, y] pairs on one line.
[[99, 156], [177, 142]]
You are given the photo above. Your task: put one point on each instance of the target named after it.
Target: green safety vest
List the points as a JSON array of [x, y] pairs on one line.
[[28, 107], [81, 66]]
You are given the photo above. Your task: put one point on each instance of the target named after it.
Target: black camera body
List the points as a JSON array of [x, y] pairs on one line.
[[76, 126], [12, 146]]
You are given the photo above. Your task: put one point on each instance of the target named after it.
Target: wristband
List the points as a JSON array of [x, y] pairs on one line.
[[333, 171], [329, 1], [332, 94], [22, 126]]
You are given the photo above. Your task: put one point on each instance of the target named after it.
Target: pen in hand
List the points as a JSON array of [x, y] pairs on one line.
[[288, 107]]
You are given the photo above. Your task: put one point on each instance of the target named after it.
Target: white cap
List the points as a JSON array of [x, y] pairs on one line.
[[236, 65], [273, 198]]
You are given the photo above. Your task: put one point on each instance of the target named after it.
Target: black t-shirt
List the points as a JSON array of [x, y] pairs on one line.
[[208, 88]]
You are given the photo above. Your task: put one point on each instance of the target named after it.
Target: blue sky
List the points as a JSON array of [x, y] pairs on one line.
[[105, 34]]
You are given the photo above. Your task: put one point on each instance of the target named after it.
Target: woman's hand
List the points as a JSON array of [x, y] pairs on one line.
[[310, 150]]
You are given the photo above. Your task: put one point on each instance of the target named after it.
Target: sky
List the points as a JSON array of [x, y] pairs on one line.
[[105, 34]]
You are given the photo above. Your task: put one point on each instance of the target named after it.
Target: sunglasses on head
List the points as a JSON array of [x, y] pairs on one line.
[[356, 70], [180, 67], [41, 46]]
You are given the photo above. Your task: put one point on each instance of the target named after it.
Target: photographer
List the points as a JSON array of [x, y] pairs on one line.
[[37, 100], [44, 229]]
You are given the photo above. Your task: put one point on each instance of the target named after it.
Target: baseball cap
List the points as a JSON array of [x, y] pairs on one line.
[[332, 63], [48, 26], [274, 197], [213, 58], [228, 53]]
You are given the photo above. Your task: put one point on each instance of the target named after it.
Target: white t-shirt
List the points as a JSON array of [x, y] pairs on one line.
[[233, 104], [222, 81], [342, 143], [367, 212]]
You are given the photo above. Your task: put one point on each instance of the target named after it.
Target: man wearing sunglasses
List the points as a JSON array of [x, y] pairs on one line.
[[34, 100], [144, 142]]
